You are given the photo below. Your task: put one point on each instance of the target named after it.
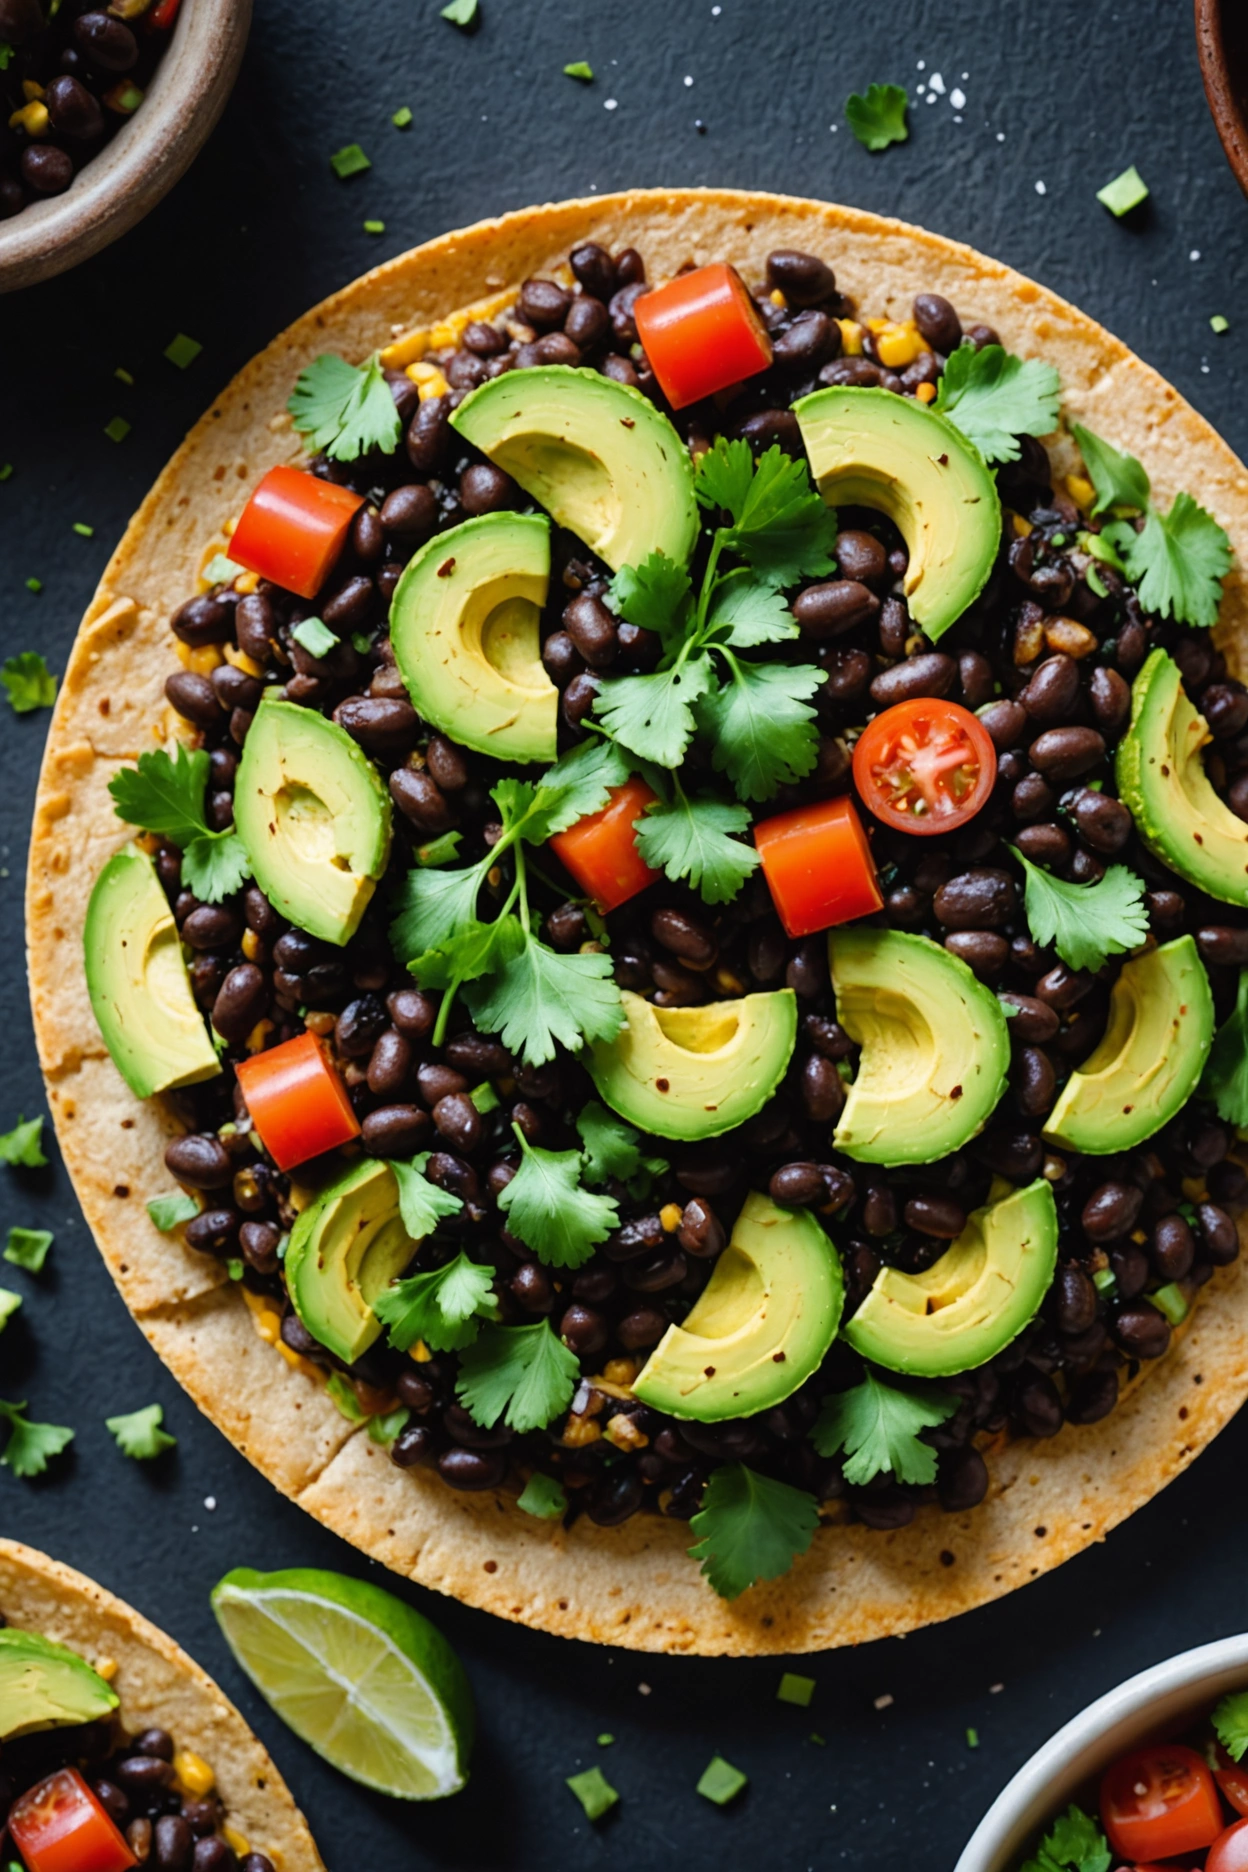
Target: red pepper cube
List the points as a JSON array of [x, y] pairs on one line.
[[293, 529], [60, 1826], [818, 866], [601, 850], [701, 332], [297, 1102]]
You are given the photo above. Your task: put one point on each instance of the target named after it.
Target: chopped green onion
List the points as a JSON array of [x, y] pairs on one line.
[[972, 1738], [460, 12], [1172, 1301], [484, 1097], [1124, 193], [117, 430], [83, 530], [402, 118], [582, 70], [374, 227], [1103, 1280], [314, 637], [594, 1791], [605, 1741], [795, 1689], [123, 376], [183, 350], [720, 1781], [349, 161], [1219, 324], [34, 585], [234, 1268], [6, 469]]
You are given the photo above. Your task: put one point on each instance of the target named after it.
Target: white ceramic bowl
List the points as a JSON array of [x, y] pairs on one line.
[[1161, 1700]]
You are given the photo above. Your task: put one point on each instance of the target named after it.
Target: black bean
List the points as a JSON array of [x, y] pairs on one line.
[[976, 678], [1129, 1266], [1111, 700], [472, 1469], [415, 1390], [1228, 1183], [213, 926], [446, 763], [1141, 1331], [620, 306], [858, 371], [1074, 1299], [823, 1090], [620, 370], [1218, 1234], [256, 1862], [985, 953], [976, 899], [73, 110], [961, 1479], [1092, 1397], [1111, 1211], [474, 1053], [803, 278], [1037, 1406], [412, 1012], [194, 698], [592, 630], [458, 1121], [359, 1026], [173, 1844], [200, 1160], [1005, 722], [105, 42], [769, 426], [544, 304], [1223, 945], [389, 1064], [1017, 1155], [685, 936], [1035, 1082], [938, 322], [701, 1232], [154, 1742], [259, 1242], [583, 1330], [114, 1800], [894, 627], [938, 1216], [241, 1001], [383, 727], [410, 512], [143, 1774], [1045, 844], [836, 606], [879, 1211], [46, 169], [213, 1232], [1065, 753], [797, 1185], [562, 659], [1062, 988], [213, 1855], [532, 1288], [428, 436], [930, 673], [396, 1130], [655, 1273], [1104, 823], [578, 699], [1173, 1248], [483, 489], [420, 799], [887, 1509], [617, 1496], [438, 1081], [847, 674], [643, 1327], [1052, 691], [594, 269], [766, 950], [807, 343], [807, 972]]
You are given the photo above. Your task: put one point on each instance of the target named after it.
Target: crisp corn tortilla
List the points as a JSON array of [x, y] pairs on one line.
[[160, 1688], [633, 1585]]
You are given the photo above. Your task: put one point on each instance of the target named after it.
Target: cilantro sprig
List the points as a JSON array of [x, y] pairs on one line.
[[443, 1306], [422, 1204], [878, 118], [994, 397], [523, 1374], [30, 1446], [166, 797], [28, 1248], [878, 1427], [1177, 560], [612, 1149], [548, 1207], [344, 412], [756, 716], [1230, 1723], [138, 1433], [1074, 1843], [1085, 923], [750, 1528], [1225, 1079], [28, 682], [23, 1145]]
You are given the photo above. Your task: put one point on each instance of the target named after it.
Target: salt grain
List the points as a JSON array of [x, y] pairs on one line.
[[937, 83], [884, 1702], [957, 97], [1042, 188]]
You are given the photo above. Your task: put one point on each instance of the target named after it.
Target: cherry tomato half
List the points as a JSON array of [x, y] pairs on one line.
[[1229, 1852], [293, 528], [818, 866], [1232, 1778], [701, 332], [1159, 1802], [925, 766], [60, 1826], [601, 850], [297, 1102]]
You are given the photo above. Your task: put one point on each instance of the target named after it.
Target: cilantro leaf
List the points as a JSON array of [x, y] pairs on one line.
[[693, 838], [1230, 1723], [1225, 1078], [164, 796], [9, 1303], [23, 1144], [345, 412], [610, 1146], [761, 725], [994, 397], [547, 1207], [28, 1248], [169, 1212], [1119, 480], [723, 476], [523, 1374], [583, 779], [422, 1205], [539, 998], [879, 118], [30, 1445], [653, 715], [29, 682], [432, 905], [215, 865], [444, 1306], [782, 528], [654, 595], [750, 1528], [475, 949], [878, 1427], [542, 1497], [747, 611], [1074, 1841], [1085, 923], [139, 1434], [1178, 562], [385, 1428]]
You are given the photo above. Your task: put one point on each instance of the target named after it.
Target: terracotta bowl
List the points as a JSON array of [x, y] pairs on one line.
[[1222, 38], [145, 158]]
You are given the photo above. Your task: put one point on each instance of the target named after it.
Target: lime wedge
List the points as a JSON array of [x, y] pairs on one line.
[[362, 1678]]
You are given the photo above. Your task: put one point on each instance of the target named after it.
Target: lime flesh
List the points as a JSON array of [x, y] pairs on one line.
[[360, 1676]]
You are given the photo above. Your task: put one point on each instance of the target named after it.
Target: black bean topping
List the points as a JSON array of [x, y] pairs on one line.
[[938, 322], [834, 607], [803, 278]]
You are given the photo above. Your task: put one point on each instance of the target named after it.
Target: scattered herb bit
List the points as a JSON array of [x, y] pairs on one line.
[[220, 570], [30, 1446], [1085, 923], [612, 1147], [1230, 1723], [720, 1781], [123, 376], [83, 531], [28, 1248], [994, 397], [1172, 1301], [402, 118], [750, 1528], [6, 54], [523, 1374], [374, 227], [1225, 1078], [343, 1393], [605, 1741], [796, 1689], [485, 1098], [1219, 324], [384, 1429], [549, 1209], [461, 12], [444, 1307], [1074, 1841], [28, 680], [169, 1212], [35, 585], [1105, 1281], [118, 429], [422, 1204], [139, 1433], [6, 469], [349, 161], [1124, 193], [22, 1145], [582, 69], [1178, 560], [697, 839], [234, 1266], [345, 412], [817, 1739], [167, 797], [543, 1498], [182, 350], [316, 637], [9, 1303], [972, 1738], [877, 1426], [438, 851], [878, 118], [592, 1789]]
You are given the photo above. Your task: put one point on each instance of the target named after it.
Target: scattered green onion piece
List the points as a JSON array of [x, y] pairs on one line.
[[582, 70], [34, 585], [594, 1791], [484, 1097], [1103, 1280], [720, 1781], [1124, 193], [1172, 1301], [123, 376], [1219, 324], [402, 118], [796, 1689], [117, 430], [183, 350], [83, 530], [349, 161]]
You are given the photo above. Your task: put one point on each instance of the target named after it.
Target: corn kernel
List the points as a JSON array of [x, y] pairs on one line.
[[435, 386], [32, 118], [1081, 490], [32, 91], [205, 659], [408, 349], [258, 1036], [1064, 634], [896, 344], [1139, 1237], [624, 1433], [421, 1352], [1054, 1169], [234, 1839], [1021, 527], [579, 1431], [319, 1021], [194, 1773], [621, 1371], [421, 372], [669, 1216], [251, 944], [106, 1667], [851, 337], [926, 393], [247, 584], [777, 298], [241, 660]]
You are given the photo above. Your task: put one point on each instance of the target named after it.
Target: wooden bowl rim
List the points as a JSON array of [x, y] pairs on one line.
[[1227, 113], [146, 157]]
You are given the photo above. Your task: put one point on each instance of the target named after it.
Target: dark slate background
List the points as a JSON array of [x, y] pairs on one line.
[[1060, 93]]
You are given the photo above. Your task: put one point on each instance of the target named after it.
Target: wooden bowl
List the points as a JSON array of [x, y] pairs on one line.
[[1222, 39], [145, 158]]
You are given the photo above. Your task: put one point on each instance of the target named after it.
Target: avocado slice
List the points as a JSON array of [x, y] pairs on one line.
[[44, 1685], [344, 1249], [971, 1303], [596, 454], [693, 1072], [138, 983], [762, 1324], [869, 448], [464, 625], [1150, 1060], [935, 1046], [1162, 779], [314, 814]]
